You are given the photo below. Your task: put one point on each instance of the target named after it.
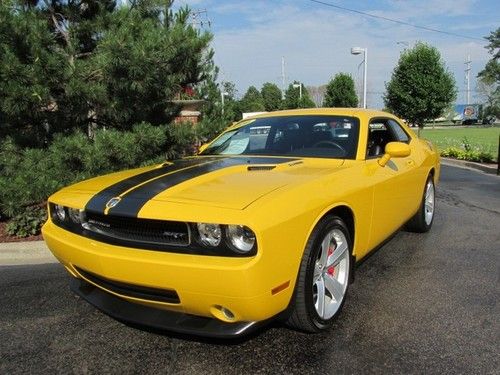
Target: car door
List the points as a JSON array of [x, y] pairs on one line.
[[394, 184]]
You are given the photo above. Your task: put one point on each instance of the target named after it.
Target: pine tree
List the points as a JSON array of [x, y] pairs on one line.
[[32, 74], [76, 64]]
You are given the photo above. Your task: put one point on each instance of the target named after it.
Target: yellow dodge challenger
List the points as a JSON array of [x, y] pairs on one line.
[[266, 222]]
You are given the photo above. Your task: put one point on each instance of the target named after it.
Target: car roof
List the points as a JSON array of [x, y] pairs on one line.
[[354, 112]]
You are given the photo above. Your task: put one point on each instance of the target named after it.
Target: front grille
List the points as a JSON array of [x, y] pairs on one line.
[[138, 231], [130, 290]]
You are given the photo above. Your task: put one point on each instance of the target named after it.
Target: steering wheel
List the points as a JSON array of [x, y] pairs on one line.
[[329, 144]]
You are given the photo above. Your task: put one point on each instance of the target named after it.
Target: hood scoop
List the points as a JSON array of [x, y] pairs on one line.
[[269, 167], [260, 168]]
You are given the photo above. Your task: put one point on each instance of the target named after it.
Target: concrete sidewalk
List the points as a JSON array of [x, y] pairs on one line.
[[19, 253]]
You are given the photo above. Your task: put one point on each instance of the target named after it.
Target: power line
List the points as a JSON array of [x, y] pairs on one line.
[[395, 21]]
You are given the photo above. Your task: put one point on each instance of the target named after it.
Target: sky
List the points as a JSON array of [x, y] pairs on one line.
[[252, 36]]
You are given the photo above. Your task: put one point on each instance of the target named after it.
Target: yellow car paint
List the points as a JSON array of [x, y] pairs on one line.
[[281, 206]]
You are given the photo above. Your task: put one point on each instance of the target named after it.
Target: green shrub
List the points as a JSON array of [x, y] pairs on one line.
[[114, 150], [27, 223], [466, 144], [208, 128], [469, 155], [182, 137], [29, 176]]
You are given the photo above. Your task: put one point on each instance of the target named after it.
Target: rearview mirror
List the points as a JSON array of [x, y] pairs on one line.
[[394, 150]]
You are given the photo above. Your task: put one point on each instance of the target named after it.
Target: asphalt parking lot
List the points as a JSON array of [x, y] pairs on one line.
[[421, 304]]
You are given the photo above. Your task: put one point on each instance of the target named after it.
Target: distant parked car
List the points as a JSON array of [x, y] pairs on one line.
[[489, 120], [267, 221]]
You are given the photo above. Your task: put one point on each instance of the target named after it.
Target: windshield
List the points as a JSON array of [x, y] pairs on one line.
[[307, 136]]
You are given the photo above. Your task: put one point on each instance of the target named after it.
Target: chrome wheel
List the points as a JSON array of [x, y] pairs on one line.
[[429, 202], [331, 274]]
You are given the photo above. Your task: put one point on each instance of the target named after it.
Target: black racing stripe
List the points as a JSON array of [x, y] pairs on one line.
[[131, 203], [98, 202]]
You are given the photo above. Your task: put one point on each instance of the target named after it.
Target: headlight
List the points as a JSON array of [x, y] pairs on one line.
[[60, 212], [65, 215], [241, 238], [74, 215], [210, 234]]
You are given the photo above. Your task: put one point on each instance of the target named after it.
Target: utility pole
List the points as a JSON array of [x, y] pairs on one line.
[[468, 68], [199, 18], [222, 94], [282, 77]]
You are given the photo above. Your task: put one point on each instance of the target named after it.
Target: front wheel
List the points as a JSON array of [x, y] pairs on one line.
[[323, 277], [422, 221]]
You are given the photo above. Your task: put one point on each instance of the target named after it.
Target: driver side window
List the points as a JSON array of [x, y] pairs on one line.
[[379, 135], [398, 131]]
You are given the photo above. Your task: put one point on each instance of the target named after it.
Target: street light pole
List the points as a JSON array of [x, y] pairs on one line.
[[357, 51], [299, 86], [222, 95], [365, 79]]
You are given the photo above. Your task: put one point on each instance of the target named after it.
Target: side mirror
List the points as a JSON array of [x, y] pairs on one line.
[[394, 150], [202, 147]]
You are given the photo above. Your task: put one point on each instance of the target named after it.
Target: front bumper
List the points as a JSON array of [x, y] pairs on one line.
[[203, 284], [134, 313]]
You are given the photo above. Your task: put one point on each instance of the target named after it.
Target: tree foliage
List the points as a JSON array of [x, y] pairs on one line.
[[489, 77], [421, 87], [340, 92], [32, 73], [215, 118], [491, 72], [68, 65], [489, 92], [271, 95], [293, 100], [29, 175], [252, 101]]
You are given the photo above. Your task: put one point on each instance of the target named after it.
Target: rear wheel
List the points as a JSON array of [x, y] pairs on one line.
[[422, 221], [323, 277]]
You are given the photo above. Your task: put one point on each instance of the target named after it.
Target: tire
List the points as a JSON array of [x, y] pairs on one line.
[[323, 278], [422, 221]]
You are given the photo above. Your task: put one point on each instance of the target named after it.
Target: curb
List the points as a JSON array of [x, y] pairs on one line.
[[486, 168], [22, 253]]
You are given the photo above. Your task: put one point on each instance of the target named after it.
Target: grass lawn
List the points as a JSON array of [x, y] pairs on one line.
[[484, 139]]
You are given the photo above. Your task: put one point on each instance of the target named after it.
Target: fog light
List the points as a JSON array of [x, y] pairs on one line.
[[227, 313], [223, 313]]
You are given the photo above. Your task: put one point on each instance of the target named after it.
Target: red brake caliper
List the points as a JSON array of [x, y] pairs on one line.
[[331, 269]]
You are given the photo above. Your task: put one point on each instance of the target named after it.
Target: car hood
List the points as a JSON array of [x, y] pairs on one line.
[[226, 182]]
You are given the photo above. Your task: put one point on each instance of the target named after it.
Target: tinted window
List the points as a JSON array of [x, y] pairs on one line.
[[398, 131], [382, 131], [307, 136]]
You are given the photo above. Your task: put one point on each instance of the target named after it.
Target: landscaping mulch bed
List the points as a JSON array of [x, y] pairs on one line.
[[4, 237]]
